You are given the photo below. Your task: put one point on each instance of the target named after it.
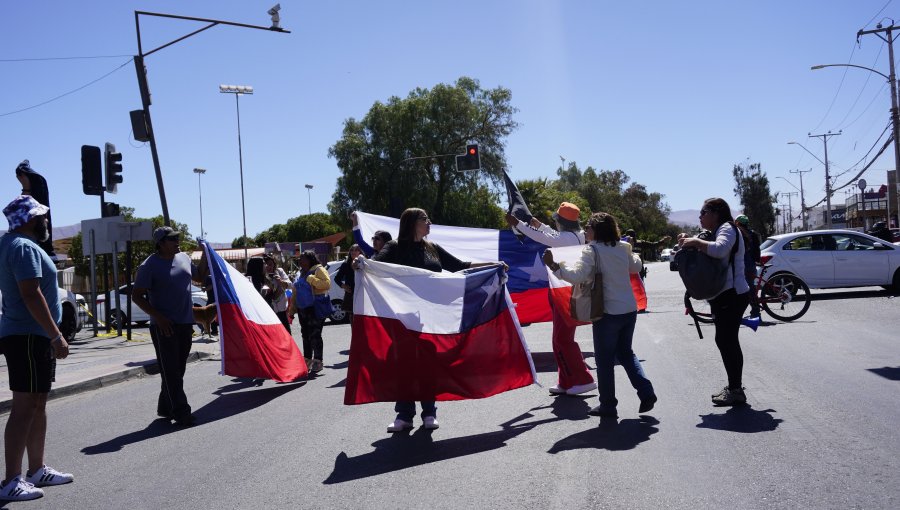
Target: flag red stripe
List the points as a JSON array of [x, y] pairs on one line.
[[532, 306], [258, 350], [389, 362]]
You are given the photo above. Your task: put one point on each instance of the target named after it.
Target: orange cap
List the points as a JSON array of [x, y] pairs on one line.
[[568, 211]]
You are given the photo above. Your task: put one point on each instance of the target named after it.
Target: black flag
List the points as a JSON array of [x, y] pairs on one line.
[[517, 206], [35, 185]]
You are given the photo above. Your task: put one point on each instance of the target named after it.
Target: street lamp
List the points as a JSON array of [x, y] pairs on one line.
[[308, 197], [199, 172], [238, 91], [895, 116]]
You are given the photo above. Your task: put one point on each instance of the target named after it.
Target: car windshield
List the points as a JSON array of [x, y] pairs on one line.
[[768, 242]]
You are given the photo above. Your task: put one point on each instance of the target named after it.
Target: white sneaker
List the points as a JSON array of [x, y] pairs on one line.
[[578, 389], [557, 390], [18, 489], [49, 476], [431, 423], [399, 426]]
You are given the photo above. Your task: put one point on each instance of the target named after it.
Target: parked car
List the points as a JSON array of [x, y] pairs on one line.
[[336, 294], [119, 314], [74, 313], [665, 255], [826, 259]]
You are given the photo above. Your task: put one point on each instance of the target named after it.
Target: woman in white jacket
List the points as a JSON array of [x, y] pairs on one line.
[[614, 331]]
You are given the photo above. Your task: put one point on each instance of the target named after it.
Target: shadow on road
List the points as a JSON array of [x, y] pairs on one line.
[[891, 373], [546, 361], [743, 419], [229, 402], [611, 435], [857, 294]]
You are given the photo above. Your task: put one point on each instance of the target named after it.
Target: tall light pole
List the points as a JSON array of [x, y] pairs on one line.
[[790, 216], [199, 172], [141, 118], [802, 199], [309, 197], [238, 91]]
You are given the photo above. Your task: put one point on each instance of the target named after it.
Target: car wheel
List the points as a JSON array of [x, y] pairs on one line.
[[117, 319], [69, 324], [338, 313]]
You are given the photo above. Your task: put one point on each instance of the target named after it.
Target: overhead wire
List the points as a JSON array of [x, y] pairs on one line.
[[44, 59], [67, 93]]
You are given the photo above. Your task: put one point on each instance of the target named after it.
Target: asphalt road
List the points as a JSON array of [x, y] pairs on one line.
[[820, 431]]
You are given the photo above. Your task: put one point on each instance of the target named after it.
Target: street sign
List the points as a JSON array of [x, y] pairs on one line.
[[111, 230]]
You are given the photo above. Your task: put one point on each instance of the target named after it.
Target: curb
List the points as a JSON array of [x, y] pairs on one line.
[[147, 368]]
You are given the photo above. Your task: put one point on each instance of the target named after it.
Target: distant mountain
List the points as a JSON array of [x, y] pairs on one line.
[[688, 217]]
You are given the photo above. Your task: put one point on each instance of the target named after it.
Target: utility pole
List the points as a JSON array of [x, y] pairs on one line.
[[824, 137], [802, 197], [790, 194], [895, 112]]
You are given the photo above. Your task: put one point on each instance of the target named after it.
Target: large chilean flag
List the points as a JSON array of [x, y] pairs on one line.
[[254, 343], [421, 335], [528, 281]]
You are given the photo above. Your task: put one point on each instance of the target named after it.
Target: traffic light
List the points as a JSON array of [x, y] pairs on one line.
[[113, 168], [91, 170], [471, 160], [111, 209]]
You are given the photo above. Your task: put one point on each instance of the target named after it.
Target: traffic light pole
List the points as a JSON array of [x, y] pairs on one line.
[[145, 89]]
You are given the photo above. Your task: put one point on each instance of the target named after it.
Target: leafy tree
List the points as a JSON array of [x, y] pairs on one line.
[[302, 228], [752, 187], [241, 242], [386, 158]]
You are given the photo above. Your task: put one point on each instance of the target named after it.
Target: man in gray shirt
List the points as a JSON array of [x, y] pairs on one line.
[[162, 288]]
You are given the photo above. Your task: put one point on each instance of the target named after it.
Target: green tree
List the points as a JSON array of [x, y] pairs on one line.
[[751, 185], [241, 242], [377, 172], [300, 229]]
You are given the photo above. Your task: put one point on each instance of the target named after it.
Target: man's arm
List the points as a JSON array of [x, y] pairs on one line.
[[138, 297], [37, 306]]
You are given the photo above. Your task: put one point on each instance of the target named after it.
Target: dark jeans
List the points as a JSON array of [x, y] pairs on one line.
[[311, 332], [406, 409], [172, 353], [612, 341], [727, 309], [754, 298], [283, 317]]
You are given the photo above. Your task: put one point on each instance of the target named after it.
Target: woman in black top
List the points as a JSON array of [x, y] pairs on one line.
[[412, 249]]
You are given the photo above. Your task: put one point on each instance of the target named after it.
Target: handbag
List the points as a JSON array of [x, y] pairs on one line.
[[322, 306], [586, 303]]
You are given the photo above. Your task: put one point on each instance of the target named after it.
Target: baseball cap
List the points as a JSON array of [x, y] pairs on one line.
[[22, 209], [567, 214], [163, 232], [743, 220]]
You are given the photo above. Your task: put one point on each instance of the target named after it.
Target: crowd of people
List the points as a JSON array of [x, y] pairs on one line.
[[31, 341]]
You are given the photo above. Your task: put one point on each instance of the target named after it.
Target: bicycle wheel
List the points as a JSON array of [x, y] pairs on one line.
[[785, 297], [698, 309]]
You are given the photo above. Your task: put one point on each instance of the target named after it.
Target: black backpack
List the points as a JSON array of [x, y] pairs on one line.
[[704, 276]]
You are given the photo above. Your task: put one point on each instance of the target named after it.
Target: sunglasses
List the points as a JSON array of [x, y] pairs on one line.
[[704, 212]]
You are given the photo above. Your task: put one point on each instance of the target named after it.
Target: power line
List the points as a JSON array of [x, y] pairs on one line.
[[67, 93], [44, 59]]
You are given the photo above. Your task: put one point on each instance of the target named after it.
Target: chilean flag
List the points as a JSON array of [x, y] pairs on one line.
[[421, 335], [254, 343], [527, 275]]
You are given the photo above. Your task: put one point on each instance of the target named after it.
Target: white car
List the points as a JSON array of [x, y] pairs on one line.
[[833, 258], [665, 255], [119, 314], [74, 312], [336, 293]]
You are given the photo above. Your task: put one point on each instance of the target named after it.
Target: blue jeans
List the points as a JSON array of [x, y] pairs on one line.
[[612, 340], [406, 409]]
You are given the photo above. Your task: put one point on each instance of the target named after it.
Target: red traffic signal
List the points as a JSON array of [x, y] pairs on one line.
[[471, 160]]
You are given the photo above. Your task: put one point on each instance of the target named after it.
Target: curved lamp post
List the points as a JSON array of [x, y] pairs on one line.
[[895, 118]]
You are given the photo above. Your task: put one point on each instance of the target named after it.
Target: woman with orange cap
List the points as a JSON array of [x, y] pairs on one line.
[[574, 376]]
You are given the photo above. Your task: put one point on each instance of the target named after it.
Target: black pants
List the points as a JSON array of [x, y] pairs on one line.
[[283, 317], [311, 332], [172, 353], [728, 308]]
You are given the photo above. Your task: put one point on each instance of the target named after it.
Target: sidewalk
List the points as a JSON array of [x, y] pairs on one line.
[[97, 362]]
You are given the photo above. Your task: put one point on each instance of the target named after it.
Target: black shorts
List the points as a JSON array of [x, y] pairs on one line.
[[31, 363]]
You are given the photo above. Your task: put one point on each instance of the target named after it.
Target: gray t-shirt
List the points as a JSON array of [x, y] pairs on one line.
[[168, 284]]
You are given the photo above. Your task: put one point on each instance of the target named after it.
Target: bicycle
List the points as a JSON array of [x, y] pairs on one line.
[[784, 297]]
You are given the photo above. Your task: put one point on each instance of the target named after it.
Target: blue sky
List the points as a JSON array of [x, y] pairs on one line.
[[672, 93]]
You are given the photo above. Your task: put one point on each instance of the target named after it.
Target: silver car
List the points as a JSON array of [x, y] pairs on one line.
[[826, 259]]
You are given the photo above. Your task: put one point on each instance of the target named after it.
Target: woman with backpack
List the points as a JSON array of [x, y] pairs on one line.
[[312, 283], [614, 331], [729, 304]]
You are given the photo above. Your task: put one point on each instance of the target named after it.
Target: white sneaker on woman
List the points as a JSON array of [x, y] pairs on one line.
[[578, 389], [18, 489], [399, 426], [431, 422], [48, 476]]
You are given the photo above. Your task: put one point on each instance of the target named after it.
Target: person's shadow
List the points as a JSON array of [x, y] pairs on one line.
[[229, 402], [611, 434], [742, 419]]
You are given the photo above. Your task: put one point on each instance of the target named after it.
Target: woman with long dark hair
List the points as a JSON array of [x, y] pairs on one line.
[[614, 331], [312, 281], [412, 249], [729, 304]]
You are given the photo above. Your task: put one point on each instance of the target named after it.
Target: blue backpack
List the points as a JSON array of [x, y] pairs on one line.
[[704, 276], [303, 293]]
